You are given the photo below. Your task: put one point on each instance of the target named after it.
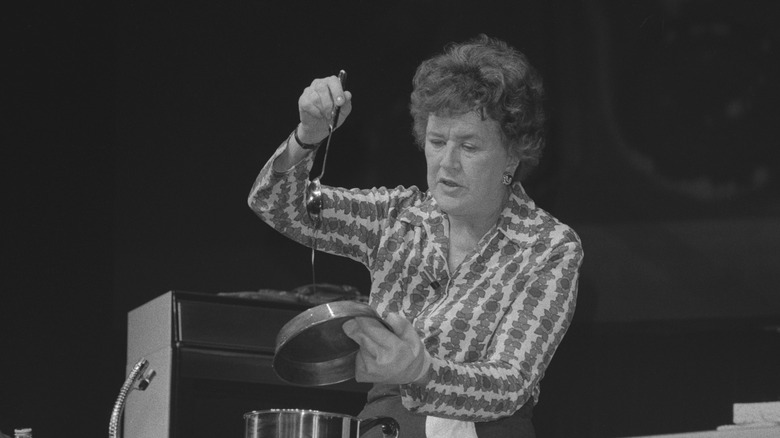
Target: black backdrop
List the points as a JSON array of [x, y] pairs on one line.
[[136, 129]]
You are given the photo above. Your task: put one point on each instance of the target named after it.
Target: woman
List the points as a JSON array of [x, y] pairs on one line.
[[477, 282]]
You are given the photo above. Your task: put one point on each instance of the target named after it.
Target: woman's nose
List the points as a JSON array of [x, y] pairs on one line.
[[450, 156]]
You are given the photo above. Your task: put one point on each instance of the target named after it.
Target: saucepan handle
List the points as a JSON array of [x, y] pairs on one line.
[[390, 427]]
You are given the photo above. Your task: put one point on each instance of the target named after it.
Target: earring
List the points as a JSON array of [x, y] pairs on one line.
[[506, 179]]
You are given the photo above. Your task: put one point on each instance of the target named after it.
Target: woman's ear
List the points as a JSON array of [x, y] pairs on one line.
[[512, 162]]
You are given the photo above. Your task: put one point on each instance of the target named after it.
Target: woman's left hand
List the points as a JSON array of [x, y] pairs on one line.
[[396, 357]]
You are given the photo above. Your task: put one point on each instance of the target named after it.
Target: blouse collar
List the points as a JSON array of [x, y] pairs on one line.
[[519, 215]]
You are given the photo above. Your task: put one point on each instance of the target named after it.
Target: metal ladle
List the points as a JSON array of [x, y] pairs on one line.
[[313, 196], [313, 199]]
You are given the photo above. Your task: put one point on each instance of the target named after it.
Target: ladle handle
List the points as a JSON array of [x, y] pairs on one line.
[[334, 121], [336, 108], [390, 427]]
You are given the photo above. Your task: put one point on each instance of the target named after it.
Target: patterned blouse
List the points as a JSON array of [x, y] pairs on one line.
[[491, 325]]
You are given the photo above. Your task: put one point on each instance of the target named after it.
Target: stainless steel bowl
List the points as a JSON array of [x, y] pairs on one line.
[[294, 423], [312, 348]]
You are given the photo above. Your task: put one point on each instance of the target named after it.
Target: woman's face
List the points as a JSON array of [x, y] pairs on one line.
[[466, 161]]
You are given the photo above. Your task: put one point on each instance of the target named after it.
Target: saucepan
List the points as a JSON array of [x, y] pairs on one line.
[[295, 423], [312, 348]]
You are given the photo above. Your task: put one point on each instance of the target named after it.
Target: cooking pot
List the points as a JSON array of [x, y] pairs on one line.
[[296, 423]]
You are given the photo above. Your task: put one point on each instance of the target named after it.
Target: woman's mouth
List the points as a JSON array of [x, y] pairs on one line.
[[448, 182]]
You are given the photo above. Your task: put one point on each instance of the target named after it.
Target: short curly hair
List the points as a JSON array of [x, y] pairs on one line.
[[488, 76]]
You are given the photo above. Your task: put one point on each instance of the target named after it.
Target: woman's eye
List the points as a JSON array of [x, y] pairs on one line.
[[469, 147], [436, 142]]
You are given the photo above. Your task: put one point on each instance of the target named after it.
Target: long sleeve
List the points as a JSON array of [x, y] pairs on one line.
[[353, 221], [277, 198]]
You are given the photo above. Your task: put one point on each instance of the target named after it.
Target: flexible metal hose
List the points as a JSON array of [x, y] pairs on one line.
[[136, 375]]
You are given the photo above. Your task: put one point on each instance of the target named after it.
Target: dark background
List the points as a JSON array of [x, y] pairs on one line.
[[133, 131]]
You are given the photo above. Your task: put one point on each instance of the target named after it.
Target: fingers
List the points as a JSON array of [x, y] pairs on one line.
[[316, 107], [406, 333], [385, 356], [346, 106], [399, 324], [374, 340], [369, 333], [320, 98], [375, 331]]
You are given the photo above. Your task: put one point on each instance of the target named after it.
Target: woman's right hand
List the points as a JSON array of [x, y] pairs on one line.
[[392, 357], [315, 108]]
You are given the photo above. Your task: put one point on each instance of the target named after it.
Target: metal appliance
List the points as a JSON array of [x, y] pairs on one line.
[[213, 360]]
